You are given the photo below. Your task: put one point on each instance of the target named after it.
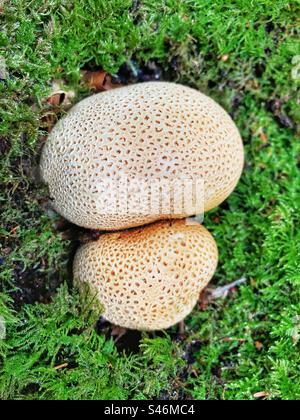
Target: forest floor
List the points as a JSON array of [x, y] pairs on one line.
[[245, 55]]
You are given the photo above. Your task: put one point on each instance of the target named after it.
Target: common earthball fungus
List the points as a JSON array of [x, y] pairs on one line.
[[142, 133], [147, 278]]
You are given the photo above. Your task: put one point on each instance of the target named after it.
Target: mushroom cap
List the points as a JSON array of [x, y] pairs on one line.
[[147, 278], [154, 131]]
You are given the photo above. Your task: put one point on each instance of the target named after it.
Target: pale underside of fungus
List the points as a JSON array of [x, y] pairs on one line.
[[147, 278], [103, 157]]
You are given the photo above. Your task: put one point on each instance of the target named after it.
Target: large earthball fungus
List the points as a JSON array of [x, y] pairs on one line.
[[143, 132], [147, 278]]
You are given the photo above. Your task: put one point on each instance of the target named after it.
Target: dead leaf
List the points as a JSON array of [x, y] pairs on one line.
[[258, 345], [49, 120], [59, 98], [56, 99], [109, 83], [95, 80], [60, 95], [263, 137], [99, 81], [204, 300]]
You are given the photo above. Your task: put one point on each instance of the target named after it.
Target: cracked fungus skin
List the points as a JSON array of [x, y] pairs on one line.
[[147, 131], [148, 278]]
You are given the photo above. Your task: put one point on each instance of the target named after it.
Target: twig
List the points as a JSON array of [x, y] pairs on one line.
[[118, 332], [223, 290], [181, 327], [261, 394], [64, 365]]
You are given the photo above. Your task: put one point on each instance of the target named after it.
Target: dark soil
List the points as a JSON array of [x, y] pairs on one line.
[[34, 285], [131, 72], [4, 145]]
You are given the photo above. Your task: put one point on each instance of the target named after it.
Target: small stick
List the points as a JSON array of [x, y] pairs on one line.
[[64, 365], [181, 327], [118, 332], [223, 290]]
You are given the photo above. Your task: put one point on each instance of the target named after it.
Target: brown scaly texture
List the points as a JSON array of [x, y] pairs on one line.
[[147, 131], [148, 278]]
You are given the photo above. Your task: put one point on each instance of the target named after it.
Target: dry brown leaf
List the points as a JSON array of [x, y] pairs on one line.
[[109, 83], [60, 96], [49, 120], [94, 79], [99, 81], [204, 300], [263, 137], [56, 99], [258, 345]]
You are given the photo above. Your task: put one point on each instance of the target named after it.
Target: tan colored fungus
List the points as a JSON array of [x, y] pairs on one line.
[[147, 278], [147, 131]]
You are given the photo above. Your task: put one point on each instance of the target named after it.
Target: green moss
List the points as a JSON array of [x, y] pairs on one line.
[[240, 53]]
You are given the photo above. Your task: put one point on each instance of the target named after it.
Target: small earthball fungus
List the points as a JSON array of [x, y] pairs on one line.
[[142, 132], [147, 278]]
